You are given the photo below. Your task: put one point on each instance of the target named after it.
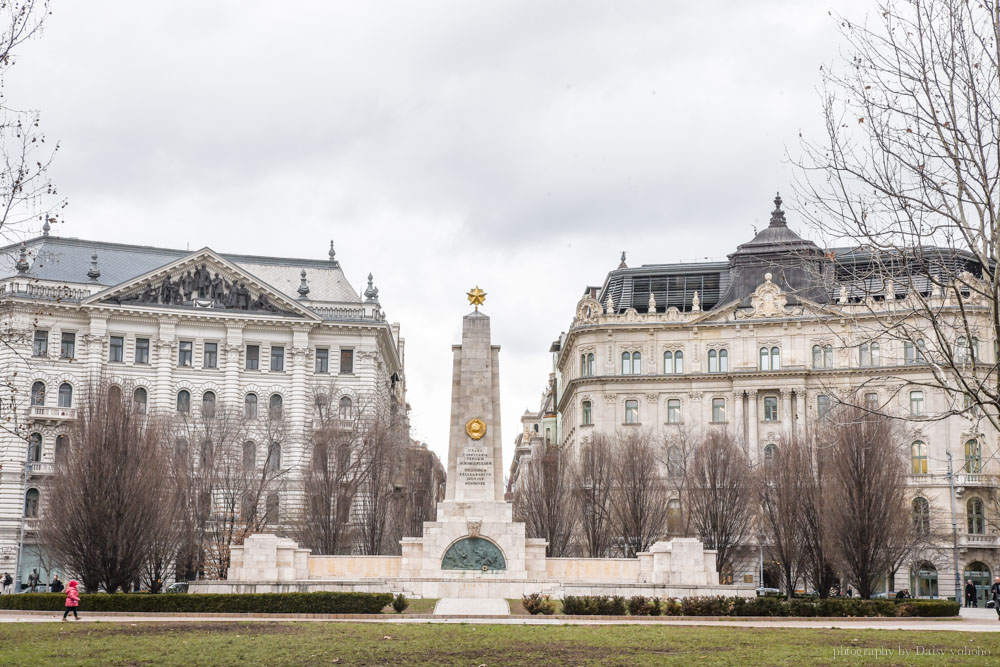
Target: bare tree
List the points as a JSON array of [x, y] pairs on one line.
[[907, 176], [871, 530], [815, 509], [721, 497], [781, 481], [640, 496], [543, 500], [593, 482], [381, 455], [108, 496]]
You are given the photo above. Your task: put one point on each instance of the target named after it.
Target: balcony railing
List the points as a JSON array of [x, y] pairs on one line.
[[41, 468], [48, 413], [973, 541], [962, 479], [32, 525]]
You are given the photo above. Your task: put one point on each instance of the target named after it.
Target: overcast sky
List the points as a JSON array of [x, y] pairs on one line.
[[520, 146]]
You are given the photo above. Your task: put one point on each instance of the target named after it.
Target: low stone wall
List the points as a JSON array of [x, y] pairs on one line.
[[592, 569], [353, 567]]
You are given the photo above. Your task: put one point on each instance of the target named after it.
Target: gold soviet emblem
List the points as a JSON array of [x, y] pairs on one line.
[[476, 428]]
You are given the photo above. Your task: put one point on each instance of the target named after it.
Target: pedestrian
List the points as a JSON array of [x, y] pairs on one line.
[[72, 600], [850, 593], [33, 579], [56, 586], [995, 594], [7, 582], [970, 594]]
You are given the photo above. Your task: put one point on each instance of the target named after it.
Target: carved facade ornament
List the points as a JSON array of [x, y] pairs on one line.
[[588, 310], [651, 398], [610, 398], [474, 527], [673, 314], [652, 302], [767, 301], [696, 302], [609, 305]]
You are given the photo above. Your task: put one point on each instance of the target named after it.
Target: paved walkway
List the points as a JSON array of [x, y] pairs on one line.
[[471, 607], [971, 620]]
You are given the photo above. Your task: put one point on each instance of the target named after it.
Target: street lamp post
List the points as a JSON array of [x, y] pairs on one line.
[[954, 531]]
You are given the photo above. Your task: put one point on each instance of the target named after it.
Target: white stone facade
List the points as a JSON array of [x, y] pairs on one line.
[[67, 327]]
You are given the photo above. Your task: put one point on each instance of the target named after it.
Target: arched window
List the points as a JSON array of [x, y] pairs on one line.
[[924, 581], [723, 361], [181, 451], [713, 361], [765, 359], [65, 395], [626, 363], [184, 401], [587, 412], [961, 350], [973, 456], [273, 463], [769, 453], [674, 521], [981, 577], [918, 456], [115, 395], [62, 448], [590, 363], [921, 516], [271, 509], [345, 409], [31, 502], [976, 516], [38, 393], [817, 356], [827, 356], [35, 447], [678, 362], [208, 404], [668, 362], [864, 355], [250, 406], [636, 363], [876, 355], [583, 365], [249, 455], [275, 406], [141, 398], [775, 359], [675, 461], [205, 455]]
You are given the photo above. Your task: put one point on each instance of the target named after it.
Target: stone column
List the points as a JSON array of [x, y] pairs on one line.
[[800, 414], [754, 422], [162, 391], [94, 342], [739, 421], [786, 413], [299, 396]]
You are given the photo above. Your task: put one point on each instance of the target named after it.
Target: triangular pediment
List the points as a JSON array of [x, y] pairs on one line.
[[203, 282]]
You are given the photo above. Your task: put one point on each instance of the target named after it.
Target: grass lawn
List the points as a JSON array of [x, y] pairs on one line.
[[417, 606], [384, 644]]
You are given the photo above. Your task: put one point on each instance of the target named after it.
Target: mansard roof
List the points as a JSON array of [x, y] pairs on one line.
[[67, 260]]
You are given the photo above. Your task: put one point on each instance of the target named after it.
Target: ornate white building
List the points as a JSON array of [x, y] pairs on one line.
[[762, 344], [186, 330]]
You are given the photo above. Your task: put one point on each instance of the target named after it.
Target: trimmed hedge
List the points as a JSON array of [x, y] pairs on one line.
[[762, 606], [222, 603]]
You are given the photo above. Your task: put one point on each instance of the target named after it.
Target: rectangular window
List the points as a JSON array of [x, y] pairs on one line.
[[116, 350], [211, 357], [674, 411], [916, 403], [871, 400], [718, 410], [909, 354], [277, 358], [41, 344], [142, 350], [588, 416], [770, 408], [253, 357], [185, 354], [67, 348], [322, 360], [346, 362], [822, 405], [631, 412]]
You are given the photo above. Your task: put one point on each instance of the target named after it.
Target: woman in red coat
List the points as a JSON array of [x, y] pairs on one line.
[[72, 600]]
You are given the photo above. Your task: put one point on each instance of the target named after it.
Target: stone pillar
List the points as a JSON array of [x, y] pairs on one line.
[[800, 414], [94, 342], [162, 390], [754, 422], [233, 348], [739, 421], [786, 413], [299, 395]]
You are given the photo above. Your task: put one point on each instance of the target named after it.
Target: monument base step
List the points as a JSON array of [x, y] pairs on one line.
[[471, 607]]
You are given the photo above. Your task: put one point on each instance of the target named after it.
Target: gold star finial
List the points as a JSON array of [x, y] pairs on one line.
[[476, 296]]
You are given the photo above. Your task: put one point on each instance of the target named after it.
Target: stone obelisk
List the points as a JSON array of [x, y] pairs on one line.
[[474, 447]]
